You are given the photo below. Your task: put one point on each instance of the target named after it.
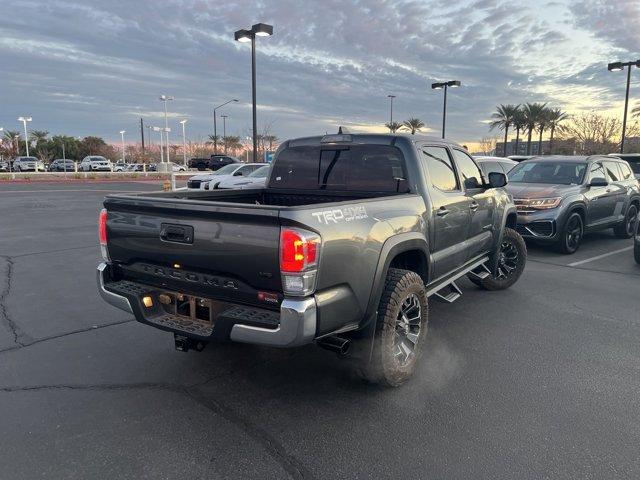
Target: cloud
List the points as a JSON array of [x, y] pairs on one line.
[[94, 67]]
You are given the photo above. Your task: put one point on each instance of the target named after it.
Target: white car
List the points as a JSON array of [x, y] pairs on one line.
[[494, 164], [256, 179], [177, 167], [210, 181], [28, 164], [95, 163]]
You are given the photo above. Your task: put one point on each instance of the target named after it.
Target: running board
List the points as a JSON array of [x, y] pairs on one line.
[[454, 293], [447, 290], [481, 272]]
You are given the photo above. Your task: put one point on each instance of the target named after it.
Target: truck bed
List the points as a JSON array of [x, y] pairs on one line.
[[264, 196]]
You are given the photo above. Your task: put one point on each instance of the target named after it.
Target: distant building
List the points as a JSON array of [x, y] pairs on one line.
[[560, 147], [522, 147]]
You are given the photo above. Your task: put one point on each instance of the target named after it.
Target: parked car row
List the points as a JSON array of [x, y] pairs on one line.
[[92, 163], [234, 175]]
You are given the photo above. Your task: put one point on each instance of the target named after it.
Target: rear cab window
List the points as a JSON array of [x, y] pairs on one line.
[[365, 168]]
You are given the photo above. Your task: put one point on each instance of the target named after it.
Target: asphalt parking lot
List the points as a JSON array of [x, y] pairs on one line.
[[540, 381]]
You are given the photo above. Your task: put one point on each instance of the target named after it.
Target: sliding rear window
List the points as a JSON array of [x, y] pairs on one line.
[[366, 168]]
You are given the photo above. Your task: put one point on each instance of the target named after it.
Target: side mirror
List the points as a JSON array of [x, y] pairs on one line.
[[237, 174], [497, 179], [598, 182]]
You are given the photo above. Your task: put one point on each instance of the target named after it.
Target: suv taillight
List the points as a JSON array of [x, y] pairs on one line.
[[299, 253], [102, 234]]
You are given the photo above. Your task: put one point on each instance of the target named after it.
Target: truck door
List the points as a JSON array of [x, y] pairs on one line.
[[481, 205], [449, 210]]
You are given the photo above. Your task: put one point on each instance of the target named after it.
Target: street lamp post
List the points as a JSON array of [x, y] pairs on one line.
[[245, 36], [24, 121], [440, 86], [165, 99], [391, 97], [616, 67], [224, 131], [122, 132], [184, 142], [215, 126]]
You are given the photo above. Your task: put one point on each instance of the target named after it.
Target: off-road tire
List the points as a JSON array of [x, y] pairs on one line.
[[566, 245], [512, 242], [626, 228], [385, 367]]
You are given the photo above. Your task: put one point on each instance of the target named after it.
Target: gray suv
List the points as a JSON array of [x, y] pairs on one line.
[[559, 199]]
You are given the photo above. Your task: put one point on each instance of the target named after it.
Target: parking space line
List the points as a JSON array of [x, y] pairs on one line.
[[598, 257]]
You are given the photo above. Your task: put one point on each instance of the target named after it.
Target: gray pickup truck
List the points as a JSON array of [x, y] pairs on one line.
[[343, 247]]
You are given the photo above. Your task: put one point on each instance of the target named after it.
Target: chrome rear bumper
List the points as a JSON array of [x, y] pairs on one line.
[[298, 319]]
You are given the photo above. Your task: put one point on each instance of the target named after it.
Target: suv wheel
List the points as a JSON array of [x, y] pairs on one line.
[[626, 228], [512, 258], [401, 329], [571, 235]]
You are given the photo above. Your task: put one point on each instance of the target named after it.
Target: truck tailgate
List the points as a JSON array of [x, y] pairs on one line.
[[222, 251]]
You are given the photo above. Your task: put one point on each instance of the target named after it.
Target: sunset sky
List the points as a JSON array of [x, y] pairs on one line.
[[96, 67]]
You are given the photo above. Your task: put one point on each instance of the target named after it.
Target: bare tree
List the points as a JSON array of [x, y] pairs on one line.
[[594, 133], [488, 145]]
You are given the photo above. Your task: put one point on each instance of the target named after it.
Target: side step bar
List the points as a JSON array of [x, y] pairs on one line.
[[454, 293], [447, 290]]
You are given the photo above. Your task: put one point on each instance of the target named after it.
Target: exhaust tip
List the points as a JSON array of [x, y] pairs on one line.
[[341, 346]]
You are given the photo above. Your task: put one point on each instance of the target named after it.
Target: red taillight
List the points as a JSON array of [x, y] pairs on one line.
[[298, 250], [102, 227]]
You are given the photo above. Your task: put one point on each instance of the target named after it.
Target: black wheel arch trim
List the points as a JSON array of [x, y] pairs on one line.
[[391, 248]]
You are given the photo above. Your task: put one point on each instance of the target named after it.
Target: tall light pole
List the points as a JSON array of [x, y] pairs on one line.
[[224, 131], [24, 121], [122, 132], [150, 142], [1, 130], [165, 99], [616, 67], [184, 142], [391, 97], [215, 126], [440, 86], [245, 36]]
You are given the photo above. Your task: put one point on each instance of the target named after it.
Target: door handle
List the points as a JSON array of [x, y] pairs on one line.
[[442, 212], [474, 206]]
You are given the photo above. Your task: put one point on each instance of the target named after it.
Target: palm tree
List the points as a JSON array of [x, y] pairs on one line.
[[519, 124], [543, 122], [213, 139], [38, 136], [12, 137], [232, 142], [556, 116], [393, 127], [413, 125], [503, 119], [532, 115]]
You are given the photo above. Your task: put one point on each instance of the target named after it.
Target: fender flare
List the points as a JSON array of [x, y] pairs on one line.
[[393, 246], [493, 257]]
